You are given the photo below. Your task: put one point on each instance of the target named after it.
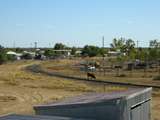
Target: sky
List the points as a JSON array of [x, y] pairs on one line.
[[77, 22]]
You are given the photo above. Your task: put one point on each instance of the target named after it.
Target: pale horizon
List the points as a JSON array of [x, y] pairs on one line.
[[77, 23]]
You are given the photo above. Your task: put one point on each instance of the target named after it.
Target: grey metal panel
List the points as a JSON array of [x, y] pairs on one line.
[[136, 113], [145, 111], [100, 97], [25, 117], [139, 97], [98, 112], [115, 106], [141, 112]]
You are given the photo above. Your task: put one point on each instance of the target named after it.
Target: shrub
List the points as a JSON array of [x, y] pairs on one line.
[[3, 57]]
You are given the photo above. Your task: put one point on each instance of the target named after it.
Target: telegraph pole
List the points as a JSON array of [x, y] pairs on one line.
[[103, 47], [103, 53], [14, 44], [137, 49], [35, 43]]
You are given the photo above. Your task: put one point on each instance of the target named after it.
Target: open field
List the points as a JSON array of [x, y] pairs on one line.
[[137, 77], [72, 68], [20, 89]]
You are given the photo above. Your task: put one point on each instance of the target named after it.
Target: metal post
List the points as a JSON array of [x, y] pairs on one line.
[[103, 54]]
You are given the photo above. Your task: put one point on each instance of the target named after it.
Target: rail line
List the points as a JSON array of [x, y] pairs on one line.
[[38, 69]]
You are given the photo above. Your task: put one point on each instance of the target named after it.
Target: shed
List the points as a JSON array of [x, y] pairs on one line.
[[132, 104], [27, 117]]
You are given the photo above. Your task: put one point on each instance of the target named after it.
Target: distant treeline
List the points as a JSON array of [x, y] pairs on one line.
[[127, 48]]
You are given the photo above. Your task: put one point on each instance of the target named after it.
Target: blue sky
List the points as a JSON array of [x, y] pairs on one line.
[[77, 22]]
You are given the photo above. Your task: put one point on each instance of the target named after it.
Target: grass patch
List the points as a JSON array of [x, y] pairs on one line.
[[7, 98], [156, 77]]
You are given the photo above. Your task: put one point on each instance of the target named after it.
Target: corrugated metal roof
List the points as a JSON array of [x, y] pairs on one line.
[[25, 117], [97, 97]]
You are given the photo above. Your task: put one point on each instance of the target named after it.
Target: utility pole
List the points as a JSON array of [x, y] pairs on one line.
[[103, 53], [35, 43], [137, 49], [14, 44], [137, 44], [103, 47]]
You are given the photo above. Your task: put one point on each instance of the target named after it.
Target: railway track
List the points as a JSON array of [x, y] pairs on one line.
[[38, 69]]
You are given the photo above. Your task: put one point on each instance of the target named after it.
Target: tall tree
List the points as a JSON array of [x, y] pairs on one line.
[[154, 49], [118, 44], [3, 56], [73, 50], [49, 53], [129, 46], [154, 43], [122, 44], [90, 51], [59, 46]]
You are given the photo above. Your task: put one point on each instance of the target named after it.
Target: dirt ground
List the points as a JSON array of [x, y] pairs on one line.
[[137, 77], [20, 90]]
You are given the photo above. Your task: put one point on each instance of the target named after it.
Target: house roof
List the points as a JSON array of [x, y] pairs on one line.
[[11, 53]]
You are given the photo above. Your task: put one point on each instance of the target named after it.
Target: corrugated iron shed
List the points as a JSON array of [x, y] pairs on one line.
[[25, 117], [132, 104]]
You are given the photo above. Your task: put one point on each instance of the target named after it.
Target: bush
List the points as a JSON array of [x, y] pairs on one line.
[[11, 57], [3, 57], [27, 56], [90, 51], [49, 53]]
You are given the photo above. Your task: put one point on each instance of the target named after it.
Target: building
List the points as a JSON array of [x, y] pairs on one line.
[[131, 104], [65, 52], [17, 56]]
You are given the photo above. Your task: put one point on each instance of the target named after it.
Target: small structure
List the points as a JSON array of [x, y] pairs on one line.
[[17, 56], [28, 55], [115, 53], [131, 104], [66, 52], [25, 117]]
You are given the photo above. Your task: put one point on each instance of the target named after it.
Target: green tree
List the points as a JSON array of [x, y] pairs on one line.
[[49, 53], [3, 56], [129, 46], [125, 46], [59, 46], [19, 50], [90, 51], [118, 44], [73, 50], [154, 49], [154, 44], [142, 55], [102, 51]]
